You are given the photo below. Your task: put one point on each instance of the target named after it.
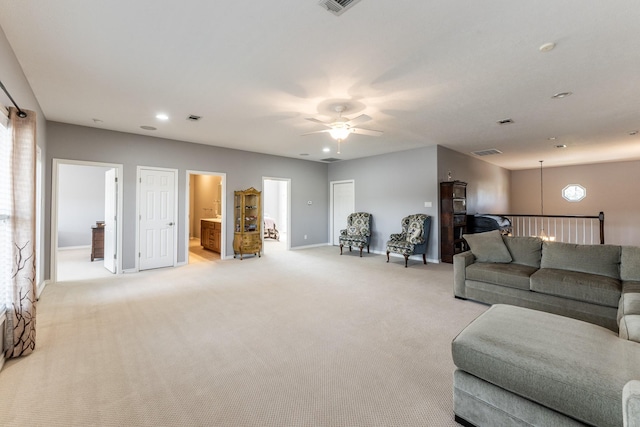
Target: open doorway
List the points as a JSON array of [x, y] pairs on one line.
[[206, 221], [276, 214], [86, 213]]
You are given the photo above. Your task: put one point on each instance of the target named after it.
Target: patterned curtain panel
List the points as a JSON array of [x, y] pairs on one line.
[[21, 309]]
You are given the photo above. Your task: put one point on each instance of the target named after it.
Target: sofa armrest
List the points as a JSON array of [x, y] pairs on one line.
[[460, 263], [631, 404]]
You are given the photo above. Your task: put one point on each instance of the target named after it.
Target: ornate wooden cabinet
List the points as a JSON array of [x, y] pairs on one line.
[[247, 238], [453, 218]]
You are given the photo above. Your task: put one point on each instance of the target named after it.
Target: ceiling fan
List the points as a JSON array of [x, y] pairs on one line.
[[341, 127]]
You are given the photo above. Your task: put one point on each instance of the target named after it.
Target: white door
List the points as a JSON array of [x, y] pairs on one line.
[[343, 203], [157, 218], [110, 218]]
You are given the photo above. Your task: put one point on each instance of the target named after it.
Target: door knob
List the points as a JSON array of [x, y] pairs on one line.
[[170, 224]]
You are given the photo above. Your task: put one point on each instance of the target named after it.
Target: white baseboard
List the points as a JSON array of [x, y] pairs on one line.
[[40, 288], [71, 248], [129, 270], [413, 257], [318, 245]]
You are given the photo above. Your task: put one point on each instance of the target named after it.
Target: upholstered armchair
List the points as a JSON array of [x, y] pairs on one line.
[[357, 233], [413, 239]]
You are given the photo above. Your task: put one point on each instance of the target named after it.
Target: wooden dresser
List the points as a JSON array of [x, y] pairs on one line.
[[210, 232], [97, 242]]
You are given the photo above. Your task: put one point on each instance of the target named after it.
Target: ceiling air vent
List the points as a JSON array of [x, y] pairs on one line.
[[487, 152], [505, 122], [337, 7], [193, 118], [330, 159]]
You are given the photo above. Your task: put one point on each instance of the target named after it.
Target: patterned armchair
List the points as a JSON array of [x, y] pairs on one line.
[[357, 233], [413, 239]]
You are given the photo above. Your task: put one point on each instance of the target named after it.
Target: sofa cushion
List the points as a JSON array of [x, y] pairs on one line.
[[630, 327], [595, 259], [511, 275], [571, 366], [630, 263], [488, 247], [524, 250], [592, 288]]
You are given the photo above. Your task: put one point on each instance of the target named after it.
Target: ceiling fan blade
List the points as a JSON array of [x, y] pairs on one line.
[[357, 120], [311, 119], [369, 132], [317, 131]]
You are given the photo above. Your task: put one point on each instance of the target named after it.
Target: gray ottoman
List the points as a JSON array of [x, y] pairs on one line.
[[518, 366]]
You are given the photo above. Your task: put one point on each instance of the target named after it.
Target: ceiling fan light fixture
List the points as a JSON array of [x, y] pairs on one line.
[[340, 133]]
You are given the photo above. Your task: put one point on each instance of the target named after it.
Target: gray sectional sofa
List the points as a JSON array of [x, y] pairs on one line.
[[561, 345]]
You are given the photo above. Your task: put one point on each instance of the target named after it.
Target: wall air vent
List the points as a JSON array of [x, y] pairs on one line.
[[337, 7], [330, 159], [487, 152]]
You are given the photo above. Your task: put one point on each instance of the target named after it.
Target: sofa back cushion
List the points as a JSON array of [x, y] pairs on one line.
[[524, 250], [630, 263], [488, 247], [594, 259]]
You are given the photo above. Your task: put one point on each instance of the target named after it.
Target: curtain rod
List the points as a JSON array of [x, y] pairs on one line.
[[21, 113]]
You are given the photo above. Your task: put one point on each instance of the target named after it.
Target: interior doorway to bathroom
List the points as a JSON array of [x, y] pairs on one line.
[[276, 212], [206, 217]]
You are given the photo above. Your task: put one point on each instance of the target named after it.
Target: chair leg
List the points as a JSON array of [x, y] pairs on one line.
[[368, 249], [360, 251], [406, 260], [387, 256], [349, 248], [341, 248], [424, 258]]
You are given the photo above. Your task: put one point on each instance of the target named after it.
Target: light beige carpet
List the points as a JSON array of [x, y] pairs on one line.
[[298, 338]]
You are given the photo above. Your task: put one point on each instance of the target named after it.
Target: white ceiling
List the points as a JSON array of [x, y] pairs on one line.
[[427, 72]]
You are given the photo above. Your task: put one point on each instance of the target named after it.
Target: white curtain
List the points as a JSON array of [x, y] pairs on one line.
[[21, 307]]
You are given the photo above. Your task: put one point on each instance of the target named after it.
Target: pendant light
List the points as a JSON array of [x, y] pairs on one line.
[[543, 235]]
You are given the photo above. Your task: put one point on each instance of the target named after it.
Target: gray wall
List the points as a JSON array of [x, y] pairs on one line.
[[16, 83], [243, 170], [611, 188], [80, 203], [488, 186], [392, 186]]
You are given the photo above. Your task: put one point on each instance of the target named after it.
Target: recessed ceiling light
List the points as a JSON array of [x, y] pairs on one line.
[[326, 149], [304, 154], [148, 128], [97, 120], [562, 95], [162, 116], [552, 138], [547, 47], [561, 146]]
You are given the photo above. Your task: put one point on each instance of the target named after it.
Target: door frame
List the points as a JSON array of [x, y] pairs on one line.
[[139, 169], [331, 186], [53, 263], [223, 210], [288, 190]]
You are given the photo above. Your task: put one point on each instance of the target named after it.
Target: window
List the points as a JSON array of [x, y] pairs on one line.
[[5, 177], [574, 192]]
